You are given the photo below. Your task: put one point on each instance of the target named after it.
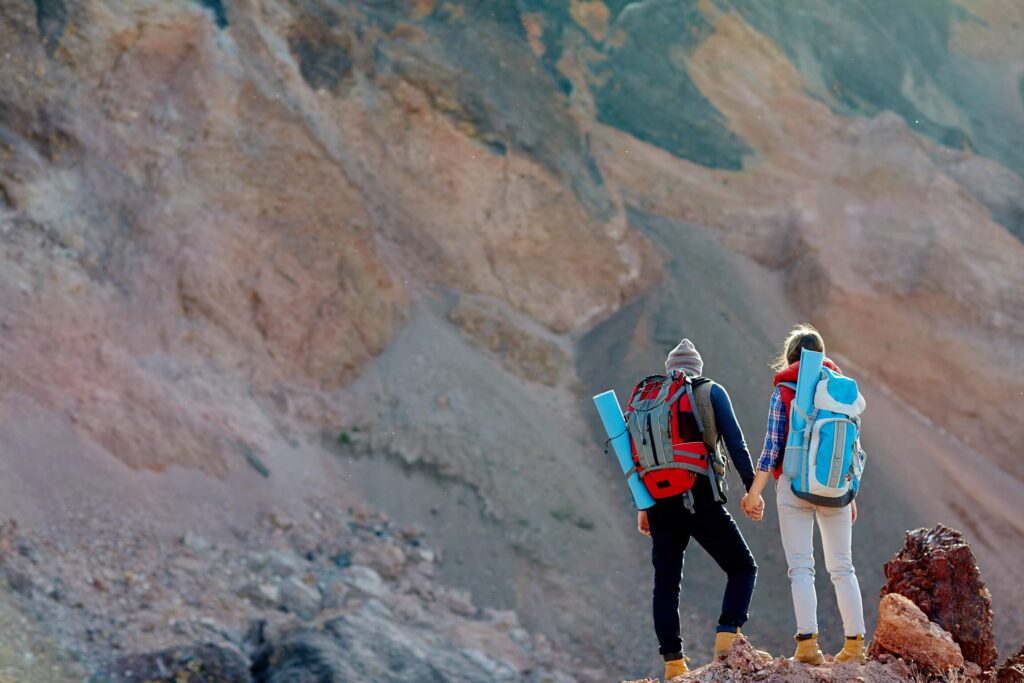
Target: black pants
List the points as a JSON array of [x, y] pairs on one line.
[[711, 525]]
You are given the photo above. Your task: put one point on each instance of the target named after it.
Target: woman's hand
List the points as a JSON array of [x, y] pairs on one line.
[[753, 506], [753, 503], [853, 508], [642, 525]]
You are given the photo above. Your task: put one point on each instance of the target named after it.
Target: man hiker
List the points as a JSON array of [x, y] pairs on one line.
[[698, 512]]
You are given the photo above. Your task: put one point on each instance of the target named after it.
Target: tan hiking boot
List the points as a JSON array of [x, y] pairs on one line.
[[808, 652], [724, 641], [854, 650], [676, 667]]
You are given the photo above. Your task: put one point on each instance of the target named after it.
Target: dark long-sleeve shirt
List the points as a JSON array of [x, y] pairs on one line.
[[732, 435]]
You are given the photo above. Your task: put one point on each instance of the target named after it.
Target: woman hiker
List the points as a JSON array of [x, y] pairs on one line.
[[673, 521], [797, 516]]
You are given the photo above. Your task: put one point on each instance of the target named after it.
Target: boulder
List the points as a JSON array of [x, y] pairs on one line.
[[200, 663], [936, 570], [1012, 670], [905, 630]]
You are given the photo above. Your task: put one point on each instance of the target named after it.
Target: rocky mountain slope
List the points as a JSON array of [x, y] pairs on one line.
[[260, 254]]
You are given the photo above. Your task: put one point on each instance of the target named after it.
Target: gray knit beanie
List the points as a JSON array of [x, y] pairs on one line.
[[685, 359]]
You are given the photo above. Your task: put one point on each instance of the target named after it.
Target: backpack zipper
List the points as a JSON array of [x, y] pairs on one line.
[[650, 436]]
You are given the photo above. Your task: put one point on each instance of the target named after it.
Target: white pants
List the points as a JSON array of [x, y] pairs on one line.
[[796, 521]]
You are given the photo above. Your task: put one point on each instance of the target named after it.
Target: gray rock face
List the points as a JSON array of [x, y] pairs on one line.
[[367, 647], [205, 663]]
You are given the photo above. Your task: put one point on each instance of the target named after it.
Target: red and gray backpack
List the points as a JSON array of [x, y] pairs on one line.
[[667, 435]]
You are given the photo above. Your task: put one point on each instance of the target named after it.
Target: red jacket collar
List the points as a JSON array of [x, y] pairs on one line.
[[791, 373]]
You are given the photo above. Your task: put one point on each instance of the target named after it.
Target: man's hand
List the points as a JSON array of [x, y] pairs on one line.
[[642, 525], [753, 507], [853, 507]]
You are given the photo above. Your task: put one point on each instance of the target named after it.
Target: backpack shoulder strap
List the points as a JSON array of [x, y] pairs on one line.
[[702, 405], [719, 464]]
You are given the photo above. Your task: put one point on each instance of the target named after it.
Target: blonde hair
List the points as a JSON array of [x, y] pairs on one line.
[[802, 336]]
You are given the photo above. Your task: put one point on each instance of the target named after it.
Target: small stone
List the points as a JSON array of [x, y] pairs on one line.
[[300, 598], [261, 594], [459, 602], [195, 542], [20, 582], [365, 580], [55, 588], [279, 521], [388, 559], [280, 563], [28, 549], [333, 591]]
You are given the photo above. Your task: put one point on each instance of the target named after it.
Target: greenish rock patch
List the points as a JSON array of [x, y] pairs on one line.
[[644, 89], [322, 52], [868, 56], [219, 9], [51, 17]]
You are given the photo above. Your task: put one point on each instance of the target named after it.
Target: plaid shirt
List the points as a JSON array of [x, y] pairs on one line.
[[775, 439]]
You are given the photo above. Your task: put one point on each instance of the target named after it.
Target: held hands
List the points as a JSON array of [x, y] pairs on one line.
[[753, 506], [642, 524]]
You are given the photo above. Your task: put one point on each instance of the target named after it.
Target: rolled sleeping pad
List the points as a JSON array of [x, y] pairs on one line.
[[806, 383], [611, 416]]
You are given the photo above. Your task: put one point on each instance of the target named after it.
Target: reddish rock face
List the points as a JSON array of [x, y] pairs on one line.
[[1012, 670], [905, 630], [937, 571]]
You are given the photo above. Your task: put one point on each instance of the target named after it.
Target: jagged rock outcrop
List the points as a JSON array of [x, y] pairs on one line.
[[905, 630], [937, 571], [203, 663], [1012, 670]]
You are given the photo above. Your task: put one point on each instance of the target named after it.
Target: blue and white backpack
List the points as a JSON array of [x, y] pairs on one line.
[[826, 464]]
